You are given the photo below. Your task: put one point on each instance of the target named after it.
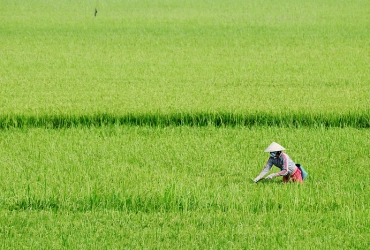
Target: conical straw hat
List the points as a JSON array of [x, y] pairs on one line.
[[273, 147]]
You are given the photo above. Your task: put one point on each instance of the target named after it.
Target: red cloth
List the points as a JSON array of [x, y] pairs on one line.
[[296, 176]]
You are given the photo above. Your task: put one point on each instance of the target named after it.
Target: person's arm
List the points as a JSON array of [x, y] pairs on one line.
[[264, 171]]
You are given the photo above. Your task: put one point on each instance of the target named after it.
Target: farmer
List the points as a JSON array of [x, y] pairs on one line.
[[288, 168]]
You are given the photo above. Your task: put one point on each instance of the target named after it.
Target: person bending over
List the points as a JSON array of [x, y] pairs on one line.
[[288, 169]]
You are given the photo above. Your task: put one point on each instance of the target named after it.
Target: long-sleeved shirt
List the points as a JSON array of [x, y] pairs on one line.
[[286, 165]]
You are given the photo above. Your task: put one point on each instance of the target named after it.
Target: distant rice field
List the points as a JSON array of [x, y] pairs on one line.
[[197, 56]]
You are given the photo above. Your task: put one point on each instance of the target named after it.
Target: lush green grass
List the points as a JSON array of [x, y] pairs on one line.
[[171, 56], [144, 126], [218, 119], [182, 187], [191, 230]]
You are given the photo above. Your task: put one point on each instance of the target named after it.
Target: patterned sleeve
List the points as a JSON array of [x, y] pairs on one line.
[[267, 168]]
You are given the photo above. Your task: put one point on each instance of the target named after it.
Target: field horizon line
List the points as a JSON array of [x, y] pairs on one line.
[[194, 119]]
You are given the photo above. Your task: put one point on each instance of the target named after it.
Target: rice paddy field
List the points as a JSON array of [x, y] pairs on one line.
[[143, 125]]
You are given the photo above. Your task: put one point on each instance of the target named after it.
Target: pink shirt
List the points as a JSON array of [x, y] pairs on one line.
[[286, 165]]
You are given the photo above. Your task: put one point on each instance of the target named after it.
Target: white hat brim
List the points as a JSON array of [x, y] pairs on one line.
[[274, 147]]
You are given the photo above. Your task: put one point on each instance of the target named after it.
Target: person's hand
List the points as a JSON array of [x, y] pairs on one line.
[[269, 177], [256, 179]]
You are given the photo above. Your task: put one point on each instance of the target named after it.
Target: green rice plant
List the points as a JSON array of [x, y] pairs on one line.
[[170, 57], [143, 126], [282, 119], [185, 186]]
